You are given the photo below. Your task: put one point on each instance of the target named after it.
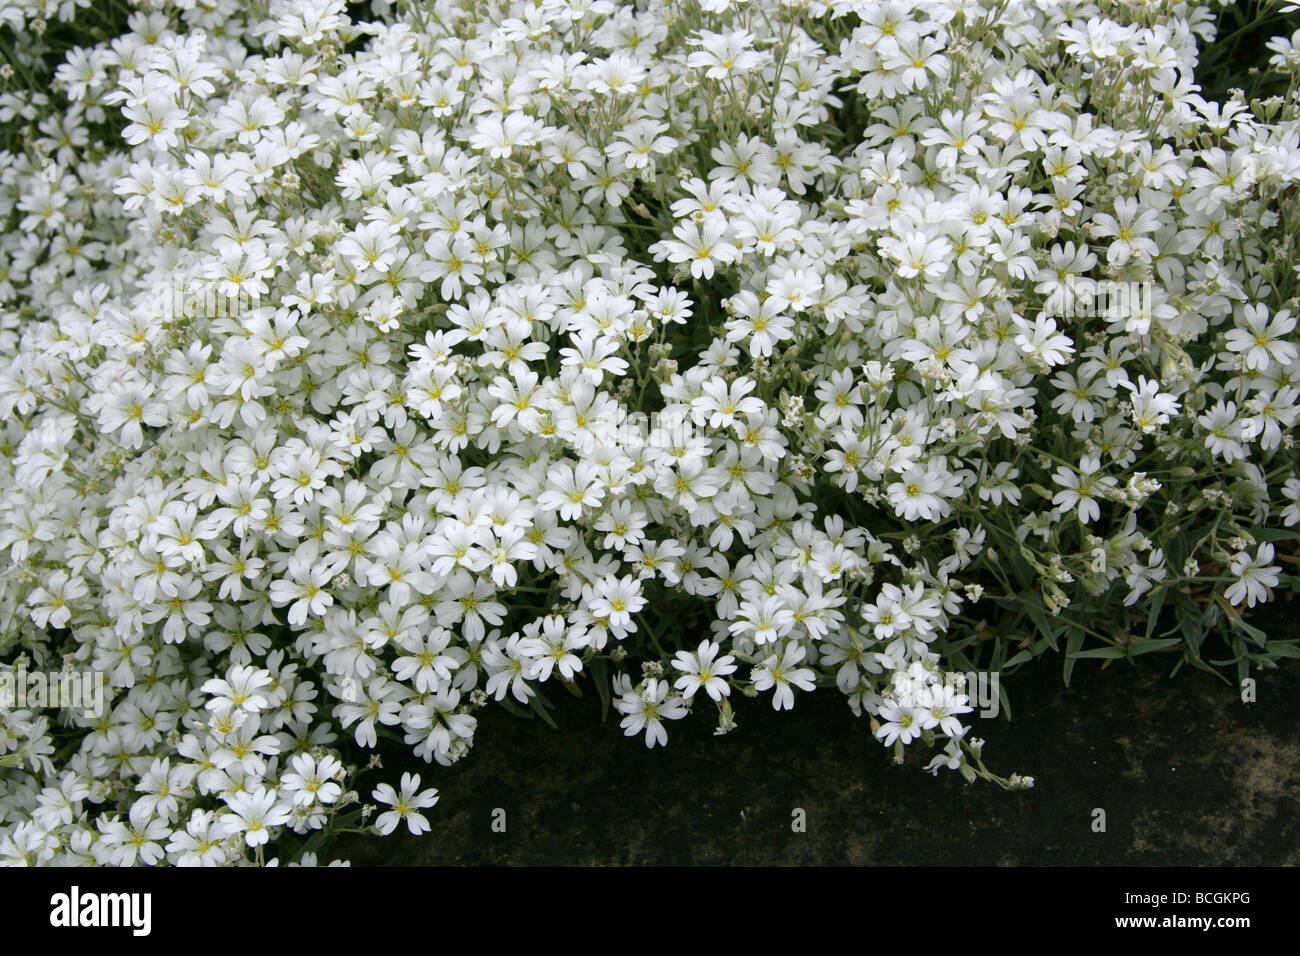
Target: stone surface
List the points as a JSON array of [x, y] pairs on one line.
[[1187, 773]]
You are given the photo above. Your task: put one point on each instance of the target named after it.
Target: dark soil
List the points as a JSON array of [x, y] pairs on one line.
[[1186, 772]]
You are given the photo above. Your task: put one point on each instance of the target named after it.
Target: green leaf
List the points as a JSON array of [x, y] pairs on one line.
[[1072, 645], [1020, 658], [1153, 644], [1100, 653], [599, 669], [1153, 611], [1035, 612], [541, 707], [510, 707], [1275, 534], [1254, 633]]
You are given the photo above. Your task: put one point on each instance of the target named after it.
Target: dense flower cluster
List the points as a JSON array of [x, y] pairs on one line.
[[356, 375]]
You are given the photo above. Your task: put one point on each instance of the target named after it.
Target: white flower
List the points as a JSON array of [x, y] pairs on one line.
[[702, 246], [780, 672], [647, 709], [241, 689], [914, 496], [1082, 489], [253, 814], [899, 722], [406, 805], [1254, 576], [704, 670], [303, 588], [1262, 340]]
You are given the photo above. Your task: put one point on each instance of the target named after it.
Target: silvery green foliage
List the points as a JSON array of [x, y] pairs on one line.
[[357, 375]]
